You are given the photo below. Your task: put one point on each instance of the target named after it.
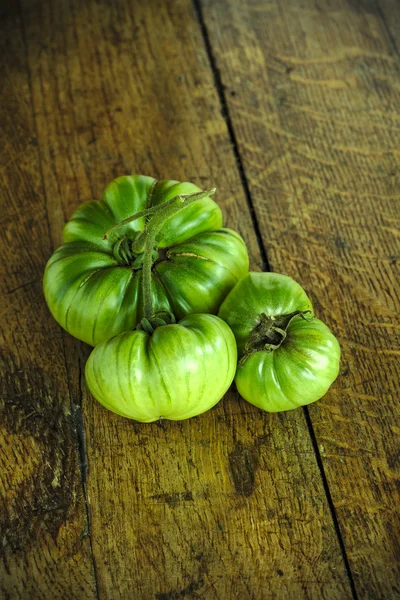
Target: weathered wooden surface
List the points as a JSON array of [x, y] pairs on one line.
[[232, 504], [44, 544], [313, 94]]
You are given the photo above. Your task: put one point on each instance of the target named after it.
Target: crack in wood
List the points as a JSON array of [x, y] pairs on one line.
[[231, 132]]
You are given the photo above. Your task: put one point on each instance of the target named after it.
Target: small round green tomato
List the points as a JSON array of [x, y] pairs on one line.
[[288, 358], [178, 372]]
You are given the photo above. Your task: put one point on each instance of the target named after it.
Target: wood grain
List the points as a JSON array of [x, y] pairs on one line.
[[230, 504], [312, 91], [44, 549]]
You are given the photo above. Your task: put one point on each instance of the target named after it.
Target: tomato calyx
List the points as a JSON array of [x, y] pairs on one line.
[[159, 319], [125, 255], [271, 332], [123, 252]]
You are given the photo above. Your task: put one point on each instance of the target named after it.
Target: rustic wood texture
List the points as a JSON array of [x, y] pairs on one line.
[[313, 95], [172, 509], [44, 543], [232, 504]]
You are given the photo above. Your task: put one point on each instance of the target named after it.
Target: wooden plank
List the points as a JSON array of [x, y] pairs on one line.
[[45, 550], [230, 504], [312, 90]]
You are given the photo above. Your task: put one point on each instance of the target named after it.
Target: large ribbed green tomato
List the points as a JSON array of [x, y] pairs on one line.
[[287, 357], [178, 372], [92, 284]]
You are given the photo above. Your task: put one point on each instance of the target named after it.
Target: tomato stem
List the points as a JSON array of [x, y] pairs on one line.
[[147, 241], [143, 213], [270, 332]]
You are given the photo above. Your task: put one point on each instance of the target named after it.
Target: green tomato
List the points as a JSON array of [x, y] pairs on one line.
[[178, 372], [93, 285], [287, 357]]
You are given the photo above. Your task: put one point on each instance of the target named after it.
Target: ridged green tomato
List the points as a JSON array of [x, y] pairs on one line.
[[92, 285], [288, 358], [178, 372]]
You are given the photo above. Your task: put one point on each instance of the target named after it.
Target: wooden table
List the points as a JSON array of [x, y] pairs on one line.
[[291, 108]]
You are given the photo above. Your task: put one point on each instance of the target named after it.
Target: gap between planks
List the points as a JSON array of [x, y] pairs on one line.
[[231, 132], [389, 34]]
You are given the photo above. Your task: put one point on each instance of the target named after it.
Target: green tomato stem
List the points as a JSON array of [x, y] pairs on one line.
[[143, 213], [143, 247], [271, 332], [146, 243]]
